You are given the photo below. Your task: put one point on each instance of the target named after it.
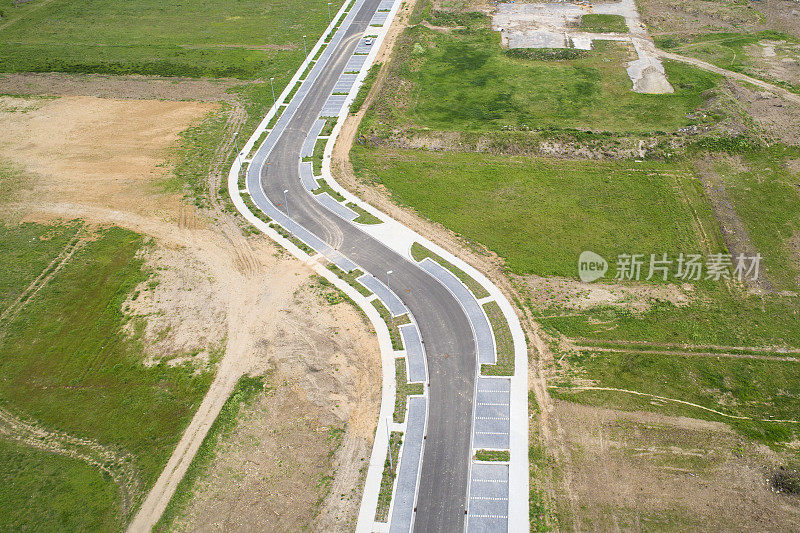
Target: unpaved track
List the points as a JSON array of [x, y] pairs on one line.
[[792, 97]]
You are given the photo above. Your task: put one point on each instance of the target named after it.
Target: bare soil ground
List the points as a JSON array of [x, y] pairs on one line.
[[213, 291], [121, 87], [703, 16], [635, 470]]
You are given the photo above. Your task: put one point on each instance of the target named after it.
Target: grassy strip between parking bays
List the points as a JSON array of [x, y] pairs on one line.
[[364, 216], [404, 390], [419, 252], [503, 342], [392, 323], [319, 153], [350, 278], [369, 81], [246, 390], [327, 129], [387, 481], [492, 455], [324, 187]]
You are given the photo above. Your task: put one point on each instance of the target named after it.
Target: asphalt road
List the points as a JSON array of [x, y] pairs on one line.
[[446, 332]]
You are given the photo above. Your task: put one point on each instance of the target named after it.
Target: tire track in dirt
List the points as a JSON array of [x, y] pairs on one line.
[[118, 465], [43, 278]]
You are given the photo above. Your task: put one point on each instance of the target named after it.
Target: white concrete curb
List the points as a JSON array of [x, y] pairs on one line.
[[400, 238]]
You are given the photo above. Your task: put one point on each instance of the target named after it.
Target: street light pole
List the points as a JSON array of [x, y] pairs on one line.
[[236, 143], [330, 19], [286, 203], [274, 100], [391, 316], [305, 49]]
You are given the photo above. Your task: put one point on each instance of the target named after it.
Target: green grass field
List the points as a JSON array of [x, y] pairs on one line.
[[540, 214], [766, 196], [41, 491], [243, 39], [66, 364], [596, 22], [465, 81], [750, 388]]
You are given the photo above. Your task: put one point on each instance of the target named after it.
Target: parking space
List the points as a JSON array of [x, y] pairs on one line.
[[345, 83], [488, 498], [333, 106], [355, 63], [307, 176], [492, 413], [415, 355]]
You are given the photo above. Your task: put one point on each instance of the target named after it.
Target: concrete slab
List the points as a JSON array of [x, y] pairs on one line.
[[488, 498], [333, 106], [307, 176], [389, 299], [480, 324], [379, 18], [345, 83], [332, 205], [415, 355], [311, 139], [355, 63], [408, 470], [492, 424]]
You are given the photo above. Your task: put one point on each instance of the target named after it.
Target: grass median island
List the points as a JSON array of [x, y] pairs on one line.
[[492, 455], [387, 480], [364, 216], [504, 343], [67, 365], [404, 390], [245, 392], [194, 38], [392, 323], [419, 252]]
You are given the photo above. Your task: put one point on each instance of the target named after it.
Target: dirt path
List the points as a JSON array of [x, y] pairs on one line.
[[732, 75], [692, 354]]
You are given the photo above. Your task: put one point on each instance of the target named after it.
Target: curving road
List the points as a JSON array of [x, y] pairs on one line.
[[445, 329]]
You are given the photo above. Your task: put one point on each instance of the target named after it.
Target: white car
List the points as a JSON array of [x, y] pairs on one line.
[[368, 41]]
